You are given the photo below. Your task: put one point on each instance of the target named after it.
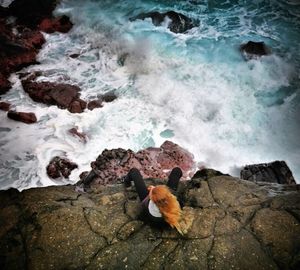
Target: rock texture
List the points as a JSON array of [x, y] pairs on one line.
[[60, 167], [60, 24], [25, 117], [179, 23], [229, 223], [254, 50], [4, 106], [274, 172], [64, 96], [113, 164]]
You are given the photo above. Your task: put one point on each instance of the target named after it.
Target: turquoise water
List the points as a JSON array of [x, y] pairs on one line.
[[193, 88]]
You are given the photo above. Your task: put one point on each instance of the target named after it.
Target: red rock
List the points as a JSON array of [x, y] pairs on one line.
[[60, 167], [76, 133], [4, 106], [28, 118], [65, 96], [60, 24], [152, 162], [94, 104], [4, 84]]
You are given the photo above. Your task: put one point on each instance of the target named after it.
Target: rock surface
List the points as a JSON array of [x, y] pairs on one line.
[[274, 172], [25, 117], [4, 106], [60, 24], [113, 164], [254, 50], [229, 223], [64, 96], [60, 167], [179, 23]]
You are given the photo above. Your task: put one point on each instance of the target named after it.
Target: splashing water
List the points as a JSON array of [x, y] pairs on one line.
[[193, 88]]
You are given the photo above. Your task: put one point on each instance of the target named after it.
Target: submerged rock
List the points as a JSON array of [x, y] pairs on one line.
[[98, 103], [113, 164], [274, 172], [228, 223], [28, 118], [179, 23], [60, 167], [253, 50], [82, 136]]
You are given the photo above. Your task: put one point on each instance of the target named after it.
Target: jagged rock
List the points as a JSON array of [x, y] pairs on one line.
[[253, 50], [60, 24], [179, 23], [28, 118], [97, 103], [274, 172], [111, 165], [94, 104], [4, 106], [60, 167], [32, 12], [64, 96], [58, 228]]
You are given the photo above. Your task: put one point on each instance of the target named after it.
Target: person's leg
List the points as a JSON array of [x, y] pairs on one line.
[[135, 176], [174, 178]]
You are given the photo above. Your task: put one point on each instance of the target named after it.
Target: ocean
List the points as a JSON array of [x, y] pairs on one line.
[[192, 88]]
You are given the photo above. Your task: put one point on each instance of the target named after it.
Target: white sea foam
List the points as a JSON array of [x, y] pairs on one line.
[[194, 87]]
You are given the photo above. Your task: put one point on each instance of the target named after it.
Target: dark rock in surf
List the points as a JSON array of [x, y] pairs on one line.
[[60, 167], [4, 106], [179, 23], [4, 84], [60, 24], [254, 50], [95, 104], [64, 96], [98, 103], [82, 136], [28, 118], [32, 12], [274, 172]]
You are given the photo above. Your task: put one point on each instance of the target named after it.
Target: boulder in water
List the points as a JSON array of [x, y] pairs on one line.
[[59, 167], [28, 118], [253, 50], [60, 24], [65, 96], [4, 106], [179, 23], [274, 172]]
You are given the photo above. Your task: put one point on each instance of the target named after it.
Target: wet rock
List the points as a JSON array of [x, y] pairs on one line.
[[28, 118], [64, 96], [74, 55], [4, 84], [253, 50], [111, 165], [94, 104], [4, 106], [58, 228], [60, 24], [179, 23], [32, 12], [82, 136], [60, 167], [274, 172]]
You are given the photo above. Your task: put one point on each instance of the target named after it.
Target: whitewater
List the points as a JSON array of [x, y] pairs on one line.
[[193, 88]]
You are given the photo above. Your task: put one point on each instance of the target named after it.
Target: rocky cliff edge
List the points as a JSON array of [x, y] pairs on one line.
[[230, 224]]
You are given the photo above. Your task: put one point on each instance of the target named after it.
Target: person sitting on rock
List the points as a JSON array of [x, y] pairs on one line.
[[159, 204]]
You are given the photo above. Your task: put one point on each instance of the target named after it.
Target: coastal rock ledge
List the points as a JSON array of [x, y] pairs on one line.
[[230, 224]]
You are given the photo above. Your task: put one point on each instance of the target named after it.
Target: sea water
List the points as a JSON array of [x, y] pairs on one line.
[[193, 88]]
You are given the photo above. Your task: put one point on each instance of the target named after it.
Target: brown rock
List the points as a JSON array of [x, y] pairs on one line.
[[28, 118], [4, 106], [76, 133], [94, 104], [4, 84], [60, 167], [60, 24]]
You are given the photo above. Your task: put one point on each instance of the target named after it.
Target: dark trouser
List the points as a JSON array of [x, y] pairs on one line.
[[135, 176]]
